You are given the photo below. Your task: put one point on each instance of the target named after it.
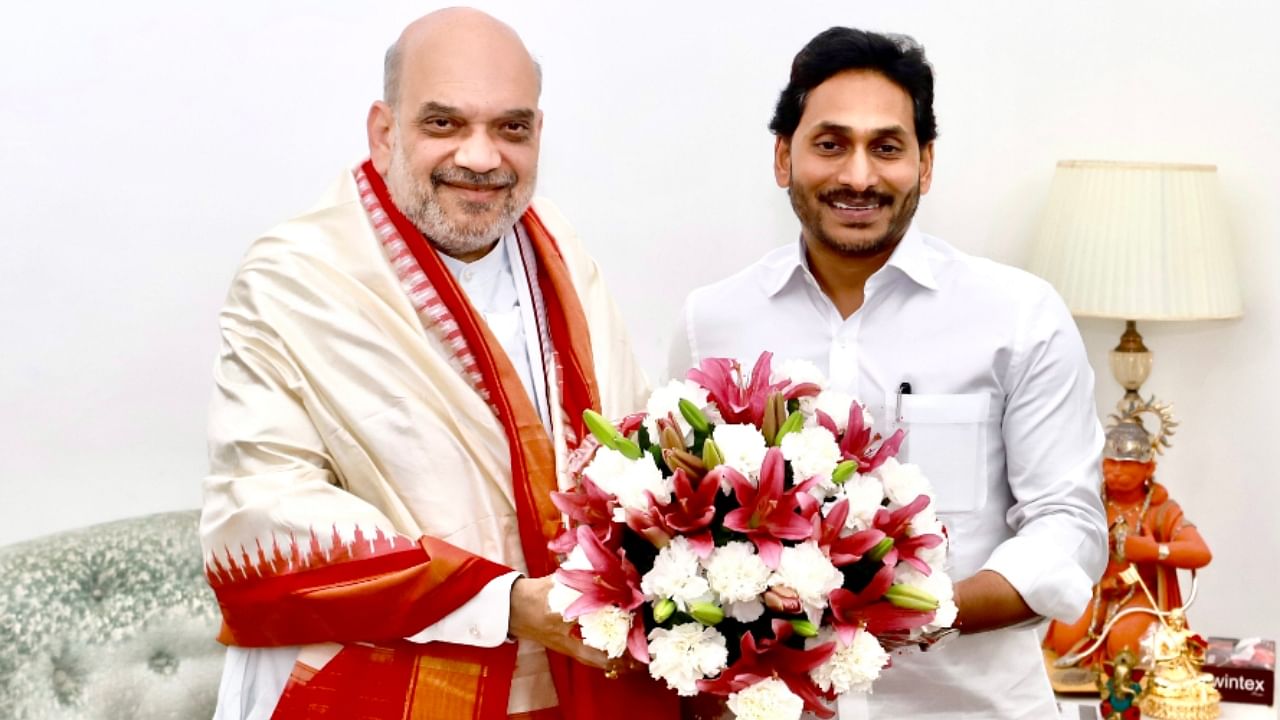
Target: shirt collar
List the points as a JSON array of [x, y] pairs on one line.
[[491, 264], [910, 257]]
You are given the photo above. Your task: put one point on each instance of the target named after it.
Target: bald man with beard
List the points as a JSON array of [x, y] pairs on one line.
[[402, 375]]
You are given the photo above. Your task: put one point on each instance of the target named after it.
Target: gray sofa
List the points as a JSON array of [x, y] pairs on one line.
[[110, 621]]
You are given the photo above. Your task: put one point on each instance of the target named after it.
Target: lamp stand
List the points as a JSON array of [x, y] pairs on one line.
[[1131, 366]]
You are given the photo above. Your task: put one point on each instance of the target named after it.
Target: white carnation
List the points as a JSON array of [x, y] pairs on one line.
[[606, 629], [807, 570], [797, 372], [836, 405], [666, 401], [865, 495], [676, 574], [560, 597], [937, 584], [926, 523], [742, 447], [851, 668], [686, 654], [606, 468], [738, 576], [769, 699], [903, 483], [812, 452], [628, 480]]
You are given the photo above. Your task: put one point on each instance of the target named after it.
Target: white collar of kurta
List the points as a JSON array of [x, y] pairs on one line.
[[911, 258], [506, 264]]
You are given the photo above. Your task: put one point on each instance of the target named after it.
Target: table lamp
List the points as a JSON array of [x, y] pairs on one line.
[[1137, 241]]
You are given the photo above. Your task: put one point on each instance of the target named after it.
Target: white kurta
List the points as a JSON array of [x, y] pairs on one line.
[[331, 399], [1000, 416]]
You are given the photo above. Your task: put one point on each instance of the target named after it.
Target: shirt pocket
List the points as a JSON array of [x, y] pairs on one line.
[[947, 439]]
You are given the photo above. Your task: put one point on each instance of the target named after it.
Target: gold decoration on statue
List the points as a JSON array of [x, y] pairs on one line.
[[1177, 689]]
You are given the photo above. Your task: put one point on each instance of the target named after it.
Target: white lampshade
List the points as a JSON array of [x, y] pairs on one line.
[[1138, 241]]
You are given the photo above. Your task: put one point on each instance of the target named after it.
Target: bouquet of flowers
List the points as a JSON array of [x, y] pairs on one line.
[[749, 537]]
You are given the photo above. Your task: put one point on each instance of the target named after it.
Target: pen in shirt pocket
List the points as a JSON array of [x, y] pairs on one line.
[[903, 389]]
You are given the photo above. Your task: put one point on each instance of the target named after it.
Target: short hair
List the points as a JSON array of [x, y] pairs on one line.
[[391, 75], [391, 66], [898, 57]]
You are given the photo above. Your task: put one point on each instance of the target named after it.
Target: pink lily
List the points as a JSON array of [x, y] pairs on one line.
[[587, 505], [894, 524], [866, 609], [847, 549], [612, 579], [692, 510], [767, 512], [857, 440], [739, 401], [649, 524], [773, 658]]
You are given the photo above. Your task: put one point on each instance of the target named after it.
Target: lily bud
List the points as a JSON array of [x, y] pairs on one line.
[[706, 613], [629, 449], [794, 422], [669, 438], [910, 597], [683, 460], [695, 417], [881, 549], [602, 429], [782, 599], [663, 609], [804, 628], [711, 455], [775, 414], [844, 471]]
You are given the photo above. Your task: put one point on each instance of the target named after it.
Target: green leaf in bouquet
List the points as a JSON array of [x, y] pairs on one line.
[[655, 451], [642, 437], [699, 442]]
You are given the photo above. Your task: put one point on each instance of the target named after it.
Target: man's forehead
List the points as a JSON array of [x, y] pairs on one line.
[[479, 85], [858, 100]]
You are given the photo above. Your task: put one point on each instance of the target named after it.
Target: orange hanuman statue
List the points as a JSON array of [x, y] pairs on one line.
[[1148, 531]]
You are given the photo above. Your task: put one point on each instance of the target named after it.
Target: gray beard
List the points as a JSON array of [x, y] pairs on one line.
[[418, 202]]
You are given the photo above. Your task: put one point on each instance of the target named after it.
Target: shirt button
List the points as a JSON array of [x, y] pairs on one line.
[[467, 275], [475, 632]]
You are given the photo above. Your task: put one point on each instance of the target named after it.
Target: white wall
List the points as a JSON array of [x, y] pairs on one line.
[[145, 143]]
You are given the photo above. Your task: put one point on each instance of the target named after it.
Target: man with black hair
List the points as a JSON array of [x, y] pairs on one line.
[[980, 363]]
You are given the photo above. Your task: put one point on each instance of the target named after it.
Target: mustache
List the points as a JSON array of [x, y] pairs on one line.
[[849, 197], [494, 179]]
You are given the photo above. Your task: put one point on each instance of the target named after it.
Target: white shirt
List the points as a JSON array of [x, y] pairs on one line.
[[1000, 416], [254, 678]]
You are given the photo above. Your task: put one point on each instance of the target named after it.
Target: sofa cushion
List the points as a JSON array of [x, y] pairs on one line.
[[109, 621]]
